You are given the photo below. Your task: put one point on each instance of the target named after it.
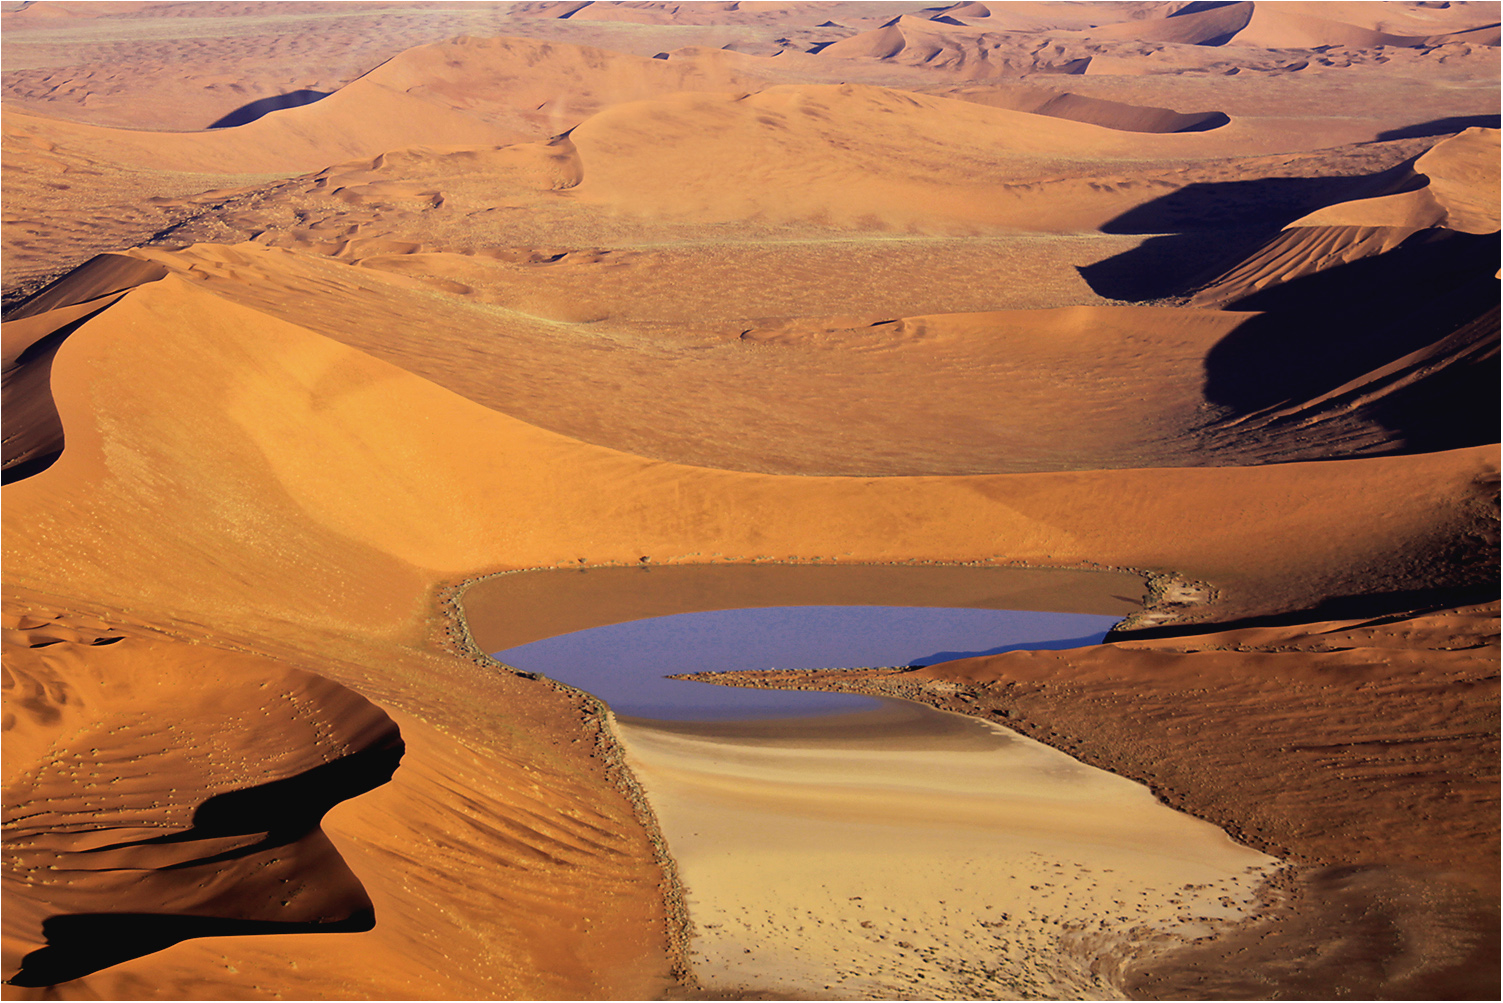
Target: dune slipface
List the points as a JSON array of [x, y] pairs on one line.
[[331, 331]]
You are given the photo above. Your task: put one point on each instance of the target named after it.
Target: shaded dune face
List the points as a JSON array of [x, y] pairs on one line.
[[1096, 111], [253, 110], [1375, 315], [1408, 339], [33, 333], [119, 844]]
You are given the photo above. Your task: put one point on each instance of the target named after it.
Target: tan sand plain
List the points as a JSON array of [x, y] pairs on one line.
[[903, 854], [554, 285]]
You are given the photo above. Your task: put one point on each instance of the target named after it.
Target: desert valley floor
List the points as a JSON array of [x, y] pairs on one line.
[[347, 344]]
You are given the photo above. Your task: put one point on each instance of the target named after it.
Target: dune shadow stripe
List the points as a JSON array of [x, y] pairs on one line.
[[83, 943], [247, 113], [1478, 583], [1199, 231], [1442, 127], [1063, 644], [39, 353], [1269, 203]]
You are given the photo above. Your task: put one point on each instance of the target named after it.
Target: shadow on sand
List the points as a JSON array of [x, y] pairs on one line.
[[265, 106], [279, 821]]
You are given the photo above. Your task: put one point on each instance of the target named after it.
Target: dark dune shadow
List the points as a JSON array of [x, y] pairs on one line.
[[1201, 6], [1203, 229], [1219, 40], [284, 810], [43, 429], [28, 468], [1061, 645], [265, 106], [85, 943], [285, 815], [1456, 407], [1375, 607], [1210, 120], [1442, 127], [1270, 203], [1323, 330], [1172, 264]]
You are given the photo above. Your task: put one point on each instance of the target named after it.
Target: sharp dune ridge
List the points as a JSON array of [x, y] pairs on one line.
[[1198, 295]]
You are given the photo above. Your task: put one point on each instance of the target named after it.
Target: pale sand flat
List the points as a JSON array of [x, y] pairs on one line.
[[957, 861]]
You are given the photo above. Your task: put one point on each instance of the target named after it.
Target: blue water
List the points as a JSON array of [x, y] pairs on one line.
[[624, 664]]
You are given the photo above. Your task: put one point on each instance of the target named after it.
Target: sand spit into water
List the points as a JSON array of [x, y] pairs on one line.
[[949, 859], [1363, 752]]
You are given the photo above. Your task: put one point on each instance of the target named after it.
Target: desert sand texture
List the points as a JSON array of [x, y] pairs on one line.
[[318, 315]]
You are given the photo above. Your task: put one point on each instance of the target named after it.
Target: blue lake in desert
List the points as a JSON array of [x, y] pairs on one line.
[[627, 664]]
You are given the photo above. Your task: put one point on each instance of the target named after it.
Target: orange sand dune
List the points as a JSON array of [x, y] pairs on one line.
[[1463, 180], [1453, 187], [119, 860], [831, 154], [1296, 25], [1039, 15], [462, 92], [915, 41], [33, 434], [1214, 26], [289, 404], [1269, 38], [483, 861], [717, 159], [367, 119], [98, 277], [1145, 386], [469, 92], [1079, 108], [126, 207], [543, 89], [1291, 25], [1399, 18], [661, 13], [495, 91]]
